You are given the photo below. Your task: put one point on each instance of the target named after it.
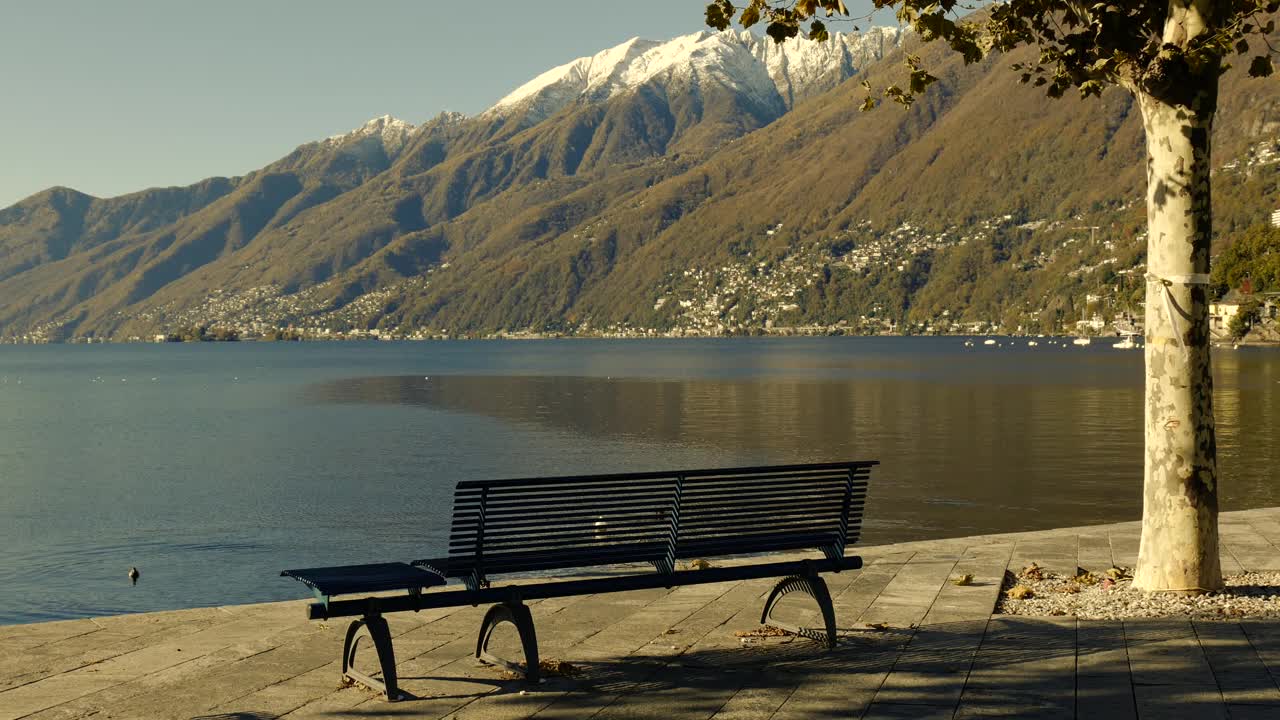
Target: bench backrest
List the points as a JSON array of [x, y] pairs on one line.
[[770, 510], [556, 523], [524, 525]]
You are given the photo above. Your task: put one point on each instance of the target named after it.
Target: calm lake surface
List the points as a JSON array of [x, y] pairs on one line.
[[212, 467]]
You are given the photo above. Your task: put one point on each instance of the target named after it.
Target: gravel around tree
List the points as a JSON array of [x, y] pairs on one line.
[[1110, 595]]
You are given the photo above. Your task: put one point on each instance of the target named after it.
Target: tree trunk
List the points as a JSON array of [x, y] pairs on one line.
[[1179, 550]]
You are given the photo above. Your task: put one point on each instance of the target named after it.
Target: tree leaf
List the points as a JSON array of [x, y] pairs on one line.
[[920, 80], [1261, 66], [719, 13], [781, 31]]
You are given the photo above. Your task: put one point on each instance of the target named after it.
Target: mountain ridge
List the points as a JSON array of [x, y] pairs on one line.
[[592, 218]]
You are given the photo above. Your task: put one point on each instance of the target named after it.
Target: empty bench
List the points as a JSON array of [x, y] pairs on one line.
[[503, 528]]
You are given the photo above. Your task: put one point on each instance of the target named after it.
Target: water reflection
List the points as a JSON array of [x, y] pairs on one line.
[[957, 458], [985, 452], [1247, 411], [214, 477]]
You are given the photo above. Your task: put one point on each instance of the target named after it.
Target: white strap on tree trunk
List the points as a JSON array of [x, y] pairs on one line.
[[1165, 284]]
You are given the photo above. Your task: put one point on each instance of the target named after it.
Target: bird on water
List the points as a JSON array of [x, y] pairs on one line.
[[133, 575]]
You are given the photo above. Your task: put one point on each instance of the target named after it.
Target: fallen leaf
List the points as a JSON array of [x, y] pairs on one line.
[[1084, 577], [965, 579], [549, 668], [1020, 592], [1115, 572], [552, 666], [762, 631]]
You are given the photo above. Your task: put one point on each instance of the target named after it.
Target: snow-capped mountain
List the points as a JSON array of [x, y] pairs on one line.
[[801, 67], [650, 159], [390, 132], [741, 61]]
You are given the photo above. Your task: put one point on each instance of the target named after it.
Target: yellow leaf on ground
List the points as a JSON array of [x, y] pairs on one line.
[[1032, 572], [1020, 592]]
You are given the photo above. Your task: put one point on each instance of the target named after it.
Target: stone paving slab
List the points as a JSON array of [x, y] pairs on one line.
[[912, 645]]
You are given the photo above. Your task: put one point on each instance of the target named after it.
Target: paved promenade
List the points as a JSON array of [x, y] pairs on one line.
[[913, 645]]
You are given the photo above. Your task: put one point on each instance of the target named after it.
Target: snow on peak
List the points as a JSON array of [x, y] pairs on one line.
[[390, 130], [559, 85], [742, 60], [449, 117], [796, 64]]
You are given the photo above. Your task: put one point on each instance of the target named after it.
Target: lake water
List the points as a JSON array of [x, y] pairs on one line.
[[212, 467]]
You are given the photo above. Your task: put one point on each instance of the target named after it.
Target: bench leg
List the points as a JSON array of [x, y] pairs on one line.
[[516, 613], [375, 628], [815, 587]]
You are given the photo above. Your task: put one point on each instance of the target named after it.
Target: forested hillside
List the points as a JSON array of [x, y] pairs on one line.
[[717, 195]]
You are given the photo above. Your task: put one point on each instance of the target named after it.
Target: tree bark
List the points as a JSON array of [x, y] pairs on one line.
[[1179, 550]]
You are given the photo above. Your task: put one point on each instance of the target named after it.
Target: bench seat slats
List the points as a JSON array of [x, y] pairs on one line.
[[586, 586]]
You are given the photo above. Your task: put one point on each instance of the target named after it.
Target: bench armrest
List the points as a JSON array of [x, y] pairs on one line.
[[377, 577], [438, 566]]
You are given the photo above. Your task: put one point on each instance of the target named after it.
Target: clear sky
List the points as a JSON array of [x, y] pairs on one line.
[[113, 97]]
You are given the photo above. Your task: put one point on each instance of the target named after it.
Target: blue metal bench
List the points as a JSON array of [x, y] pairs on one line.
[[506, 527]]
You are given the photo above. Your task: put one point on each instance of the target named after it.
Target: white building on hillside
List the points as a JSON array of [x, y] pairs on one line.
[[1221, 313]]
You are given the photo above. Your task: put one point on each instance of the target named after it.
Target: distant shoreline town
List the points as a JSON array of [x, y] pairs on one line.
[[1265, 331]]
